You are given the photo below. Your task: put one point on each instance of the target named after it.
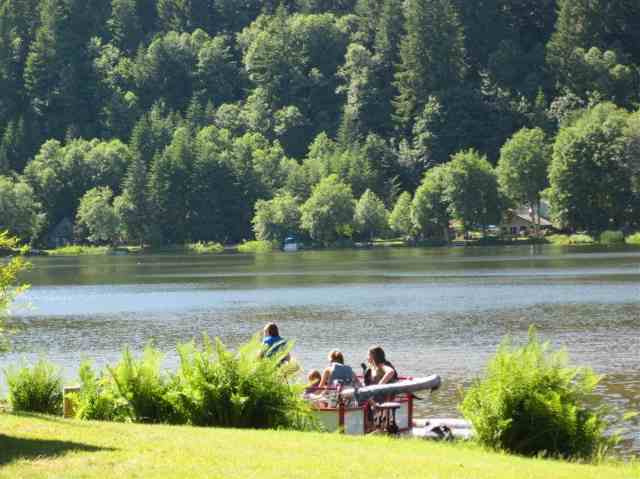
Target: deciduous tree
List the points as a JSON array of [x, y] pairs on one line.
[[97, 215], [328, 214], [20, 212], [590, 176], [472, 191], [371, 218], [522, 169]]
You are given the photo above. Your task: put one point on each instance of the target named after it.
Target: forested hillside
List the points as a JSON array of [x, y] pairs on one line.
[[171, 121]]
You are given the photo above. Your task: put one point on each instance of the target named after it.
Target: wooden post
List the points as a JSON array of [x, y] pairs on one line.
[[67, 405]]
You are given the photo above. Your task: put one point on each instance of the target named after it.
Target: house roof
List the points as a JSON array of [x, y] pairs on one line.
[[525, 214], [527, 217]]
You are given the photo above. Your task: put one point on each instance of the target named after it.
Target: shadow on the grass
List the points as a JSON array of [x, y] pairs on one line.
[[17, 448]]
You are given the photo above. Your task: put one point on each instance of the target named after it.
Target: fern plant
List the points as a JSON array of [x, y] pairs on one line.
[[35, 389], [531, 402], [217, 387], [143, 386], [98, 398]]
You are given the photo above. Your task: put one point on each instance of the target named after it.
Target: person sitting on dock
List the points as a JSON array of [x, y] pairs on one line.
[[272, 341], [338, 372]]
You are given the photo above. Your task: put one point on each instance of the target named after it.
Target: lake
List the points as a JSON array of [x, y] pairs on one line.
[[440, 310]]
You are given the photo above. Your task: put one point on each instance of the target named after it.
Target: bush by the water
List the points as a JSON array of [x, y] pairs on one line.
[[35, 389], [98, 398], [217, 387], [565, 240], [77, 250], [141, 383], [611, 237], [531, 402], [212, 387], [261, 246], [633, 239], [204, 247]]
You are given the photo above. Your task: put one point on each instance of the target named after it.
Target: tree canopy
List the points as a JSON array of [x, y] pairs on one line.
[[198, 114]]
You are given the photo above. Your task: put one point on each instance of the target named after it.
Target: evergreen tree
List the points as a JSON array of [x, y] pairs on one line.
[[185, 15], [132, 208], [58, 73], [13, 147], [400, 217], [579, 25], [216, 196], [169, 188], [388, 36], [362, 109], [125, 25], [432, 55], [431, 209]]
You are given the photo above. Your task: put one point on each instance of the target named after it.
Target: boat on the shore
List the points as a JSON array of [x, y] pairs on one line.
[[359, 410]]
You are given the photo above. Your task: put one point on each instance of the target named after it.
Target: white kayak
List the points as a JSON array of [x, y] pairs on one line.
[[405, 386]]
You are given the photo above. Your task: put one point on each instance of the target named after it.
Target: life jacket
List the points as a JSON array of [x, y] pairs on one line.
[[275, 347], [341, 373]]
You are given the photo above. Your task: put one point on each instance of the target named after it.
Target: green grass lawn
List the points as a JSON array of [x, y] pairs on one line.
[[42, 446]]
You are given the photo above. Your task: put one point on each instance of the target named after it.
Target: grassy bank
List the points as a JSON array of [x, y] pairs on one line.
[[41, 446], [77, 250], [189, 248], [258, 247]]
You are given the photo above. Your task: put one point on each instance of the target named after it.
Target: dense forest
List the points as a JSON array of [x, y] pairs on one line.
[[172, 121]]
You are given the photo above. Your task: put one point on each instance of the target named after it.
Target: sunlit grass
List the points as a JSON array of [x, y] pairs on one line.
[[43, 446]]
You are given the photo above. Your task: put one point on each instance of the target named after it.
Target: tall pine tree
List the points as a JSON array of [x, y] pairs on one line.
[[432, 56]]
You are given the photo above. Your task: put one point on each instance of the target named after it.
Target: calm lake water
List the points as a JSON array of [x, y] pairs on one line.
[[438, 311]]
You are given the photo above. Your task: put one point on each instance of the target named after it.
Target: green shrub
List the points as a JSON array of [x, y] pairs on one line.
[[35, 389], [558, 240], [258, 247], [633, 239], [204, 247], [581, 239], [565, 240], [141, 384], [611, 237], [217, 387], [532, 402], [77, 250], [98, 398]]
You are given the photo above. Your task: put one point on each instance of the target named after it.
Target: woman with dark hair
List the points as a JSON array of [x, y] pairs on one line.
[[382, 371]]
